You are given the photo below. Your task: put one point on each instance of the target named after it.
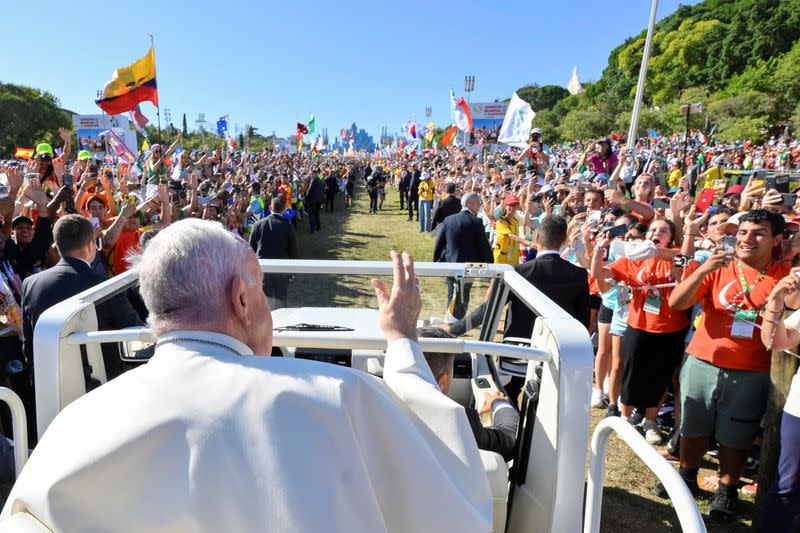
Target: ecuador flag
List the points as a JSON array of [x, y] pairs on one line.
[[130, 86]]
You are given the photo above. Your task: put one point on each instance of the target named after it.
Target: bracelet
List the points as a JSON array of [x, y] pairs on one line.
[[691, 234], [773, 322], [774, 310]]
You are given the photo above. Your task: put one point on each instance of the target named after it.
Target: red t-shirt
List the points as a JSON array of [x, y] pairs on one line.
[[652, 271], [720, 294]]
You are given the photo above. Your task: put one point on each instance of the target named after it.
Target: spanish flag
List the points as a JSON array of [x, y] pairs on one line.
[[131, 85], [24, 153]]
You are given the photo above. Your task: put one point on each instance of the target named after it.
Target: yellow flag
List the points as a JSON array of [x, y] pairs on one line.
[[138, 73], [430, 127], [145, 145]]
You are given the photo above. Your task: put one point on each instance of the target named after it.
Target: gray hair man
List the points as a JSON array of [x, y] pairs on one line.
[[208, 437], [462, 239], [501, 436]]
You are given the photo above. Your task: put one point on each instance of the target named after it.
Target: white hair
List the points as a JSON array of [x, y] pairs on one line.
[[469, 197], [186, 270]]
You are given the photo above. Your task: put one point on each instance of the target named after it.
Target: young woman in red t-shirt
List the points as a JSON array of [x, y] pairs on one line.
[[652, 346]]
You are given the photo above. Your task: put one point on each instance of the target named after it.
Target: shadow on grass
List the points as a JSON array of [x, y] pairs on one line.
[[625, 511]]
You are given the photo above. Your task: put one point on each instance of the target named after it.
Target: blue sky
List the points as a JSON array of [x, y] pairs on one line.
[[272, 63]]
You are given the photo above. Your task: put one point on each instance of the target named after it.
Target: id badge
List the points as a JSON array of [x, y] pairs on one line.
[[744, 324], [652, 304]]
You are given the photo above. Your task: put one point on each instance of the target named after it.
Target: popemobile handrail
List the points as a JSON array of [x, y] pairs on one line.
[[336, 340], [682, 500], [19, 427]]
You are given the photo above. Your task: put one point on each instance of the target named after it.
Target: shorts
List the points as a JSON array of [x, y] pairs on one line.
[[649, 360], [595, 301], [720, 402], [605, 315]]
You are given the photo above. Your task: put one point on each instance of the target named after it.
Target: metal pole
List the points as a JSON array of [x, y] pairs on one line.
[[637, 104], [158, 109], [684, 166]]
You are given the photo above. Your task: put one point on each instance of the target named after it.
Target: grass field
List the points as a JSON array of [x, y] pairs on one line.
[[628, 502]]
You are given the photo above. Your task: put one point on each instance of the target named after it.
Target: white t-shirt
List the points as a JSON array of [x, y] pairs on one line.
[[793, 398]]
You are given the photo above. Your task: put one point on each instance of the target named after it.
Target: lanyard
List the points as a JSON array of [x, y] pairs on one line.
[[747, 289]]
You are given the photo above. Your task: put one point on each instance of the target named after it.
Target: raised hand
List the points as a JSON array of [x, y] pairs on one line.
[[399, 309]]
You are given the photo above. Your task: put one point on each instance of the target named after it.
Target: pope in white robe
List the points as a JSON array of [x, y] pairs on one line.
[[209, 437]]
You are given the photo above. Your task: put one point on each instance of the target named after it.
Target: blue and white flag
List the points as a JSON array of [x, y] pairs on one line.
[[222, 125]]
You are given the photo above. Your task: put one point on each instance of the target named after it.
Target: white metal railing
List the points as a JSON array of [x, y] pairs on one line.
[[682, 500], [19, 427], [335, 340]]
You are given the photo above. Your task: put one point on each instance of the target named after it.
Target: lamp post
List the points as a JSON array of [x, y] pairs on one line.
[[637, 103], [469, 86]]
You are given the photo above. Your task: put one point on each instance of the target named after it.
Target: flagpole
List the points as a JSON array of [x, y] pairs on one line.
[[158, 109]]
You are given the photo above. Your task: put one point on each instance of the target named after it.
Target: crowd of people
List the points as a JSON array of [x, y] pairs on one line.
[[677, 258]]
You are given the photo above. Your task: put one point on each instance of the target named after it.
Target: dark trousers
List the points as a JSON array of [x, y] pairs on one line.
[[313, 217], [413, 200], [782, 511], [329, 196], [373, 201], [459, 307], [403, 198], [276, 287]]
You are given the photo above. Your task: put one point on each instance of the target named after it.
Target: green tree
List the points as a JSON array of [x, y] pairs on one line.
[[542, 97], [28, 116]]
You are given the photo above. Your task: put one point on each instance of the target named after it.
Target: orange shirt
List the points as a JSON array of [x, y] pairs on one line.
[[720, 294], [652, 271]]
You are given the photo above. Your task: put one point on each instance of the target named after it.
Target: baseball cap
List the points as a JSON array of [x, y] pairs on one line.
[[19, 219], [733, 190], [84, 154], [511, 199], [536, 130], [450, 188], [44, 148]]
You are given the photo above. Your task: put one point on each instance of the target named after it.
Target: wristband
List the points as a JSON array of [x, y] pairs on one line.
[[500, 404]]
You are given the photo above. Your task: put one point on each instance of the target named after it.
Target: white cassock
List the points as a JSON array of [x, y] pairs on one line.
[[207, 437]]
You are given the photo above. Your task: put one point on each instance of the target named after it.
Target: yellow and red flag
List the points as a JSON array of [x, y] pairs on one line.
[[24, 153], [449, 135], [131, 85]]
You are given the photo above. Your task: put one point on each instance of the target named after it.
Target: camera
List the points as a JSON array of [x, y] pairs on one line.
[[680, 260]]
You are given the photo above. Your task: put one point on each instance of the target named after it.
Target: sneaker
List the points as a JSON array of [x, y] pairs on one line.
[[689, 477], [612, 410], [724, 503], [636, 417], [598, 401], [652, 434]]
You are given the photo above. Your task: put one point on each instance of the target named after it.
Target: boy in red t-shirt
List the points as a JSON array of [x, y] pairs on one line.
[[725, 379]]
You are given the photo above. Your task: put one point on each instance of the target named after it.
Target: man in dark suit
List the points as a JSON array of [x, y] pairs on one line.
[[462, 239], [561, 281], [413, 192], [315, 195], [331, 190], [449, 206], [501, 436], [274, 238], [405, 182], [74, 238]]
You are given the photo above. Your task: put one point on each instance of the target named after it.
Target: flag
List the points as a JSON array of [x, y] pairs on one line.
[[139, 120], [344, 134], [653, 133], [24, 153], [428, 132], [299, 141], [516, 128], [131, 85], [179, 150], [463, 118], [314, 154], [311, 124], [118, 146], [222, 125], [231, 144], [413, 130], [58, 152], [145, 145], [452, 106], [448, 135], [302, 129]]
